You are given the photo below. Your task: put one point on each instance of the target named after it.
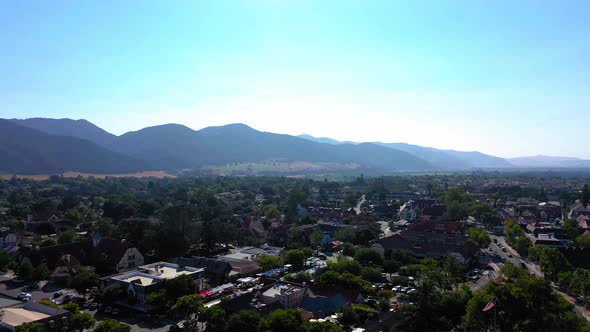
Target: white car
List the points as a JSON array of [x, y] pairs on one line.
[[24, 296]]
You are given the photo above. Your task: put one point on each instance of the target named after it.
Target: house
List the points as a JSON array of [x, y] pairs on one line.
[[256, 229], [547, 240], [544, 228], [322, 306], [107, 255], [423, 203], [51, 255], [33, 312], [67, 265], [288, 295], [45, 216], [579, 210], [8, 239], [435, 211], [278, 233], [407, 212], [431, 239], [583, 222], [143, 280], [549, 210], [216, 271], [115, 255], [240, 266]]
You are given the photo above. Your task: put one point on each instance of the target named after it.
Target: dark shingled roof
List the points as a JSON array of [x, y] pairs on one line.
[[112, 251]]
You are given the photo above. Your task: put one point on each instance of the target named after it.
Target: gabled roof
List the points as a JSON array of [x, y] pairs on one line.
[[112, 250]]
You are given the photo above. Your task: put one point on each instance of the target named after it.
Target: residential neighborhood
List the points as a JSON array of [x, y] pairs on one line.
[[348, 256]]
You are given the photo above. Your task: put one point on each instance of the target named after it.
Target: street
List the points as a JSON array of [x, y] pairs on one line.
[[533, 269]]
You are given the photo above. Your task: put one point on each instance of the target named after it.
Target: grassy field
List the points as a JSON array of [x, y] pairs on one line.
[[43, 177], [279, 166]]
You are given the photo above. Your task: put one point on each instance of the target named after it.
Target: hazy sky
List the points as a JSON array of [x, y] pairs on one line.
[[503, 77]]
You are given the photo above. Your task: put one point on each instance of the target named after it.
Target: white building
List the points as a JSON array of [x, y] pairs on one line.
[[288, 295]]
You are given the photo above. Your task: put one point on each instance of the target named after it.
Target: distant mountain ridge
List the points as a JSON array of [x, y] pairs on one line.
[[442, 159], [43, 146], [24, 150], [549, 162], [174, 147], [67, 127]]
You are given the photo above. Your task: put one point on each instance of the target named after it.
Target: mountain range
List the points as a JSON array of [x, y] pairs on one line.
[[49, 146], [440, 159]]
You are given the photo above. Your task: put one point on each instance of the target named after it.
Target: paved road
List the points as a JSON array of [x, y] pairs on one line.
[[535, 270], [359, 204], [385, 228]]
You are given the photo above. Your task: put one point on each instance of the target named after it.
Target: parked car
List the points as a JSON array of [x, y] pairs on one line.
[[58, 294], [93, 306], [18, 280], [115, 311], [108, 310], [24, 296]]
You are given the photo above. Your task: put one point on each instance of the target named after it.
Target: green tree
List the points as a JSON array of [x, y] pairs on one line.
[[48, 303], [48, 242], [583, 241], [321, 327], [585, 195], [5, 259], [67, 236], [523, 304], [83, 281], [552, 261], [367, 256], [345, 235], [189, 308], [31, 327], [71, 307], [570, 228], [41, 272], [315, 238], [282, 320], [348, 316], [179, 286], [25, 269], [214, 317], [480, 236], [110, 294], [272, 212], [516, 237], [270, 262], [111, 325], [295, 257], [243, 321], [81, 321]]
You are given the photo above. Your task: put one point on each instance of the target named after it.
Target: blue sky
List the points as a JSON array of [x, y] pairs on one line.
[[509, 78]]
